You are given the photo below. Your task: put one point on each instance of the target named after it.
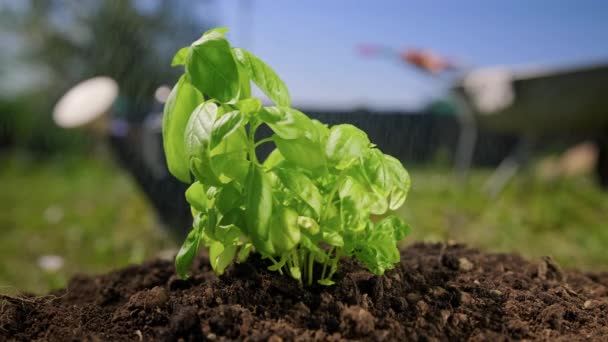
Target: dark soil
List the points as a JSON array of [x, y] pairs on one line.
[[438, 292]]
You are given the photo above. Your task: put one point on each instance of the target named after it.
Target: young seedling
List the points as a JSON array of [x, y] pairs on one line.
[[322, 194]]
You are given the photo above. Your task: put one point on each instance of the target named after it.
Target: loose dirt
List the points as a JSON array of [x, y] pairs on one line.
[[437, 292]]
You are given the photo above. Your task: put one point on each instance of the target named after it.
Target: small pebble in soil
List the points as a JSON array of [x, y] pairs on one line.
[[592, 304], [275, 338], [465, 298], [445, 314], [412, 298], [439, 292], [422, 307], [496, 293], [465, 264], [357, 317]]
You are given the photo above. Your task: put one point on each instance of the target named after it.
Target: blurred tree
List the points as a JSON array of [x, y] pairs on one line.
[[53, 44]]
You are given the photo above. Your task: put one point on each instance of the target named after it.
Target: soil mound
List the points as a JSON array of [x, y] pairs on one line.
[[437, 292]]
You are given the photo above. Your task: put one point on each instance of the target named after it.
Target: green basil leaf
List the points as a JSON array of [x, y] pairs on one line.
[[374, 175], [264, 247], [229, 157], [326, 282], [244, 252], [221, 256], [351, 217], [211, 223], [378, 249], [244, 83], [354, 205], [197, 197], [197, 140], [186, 254], [182, 100], [308, 225], [230, 166], [284, 230], [249, 106], [273, 159], [333, 238], [216, 31], [228, 235], [289, 123], [234, 214], [376, 171], [258, 206], [181, 56], [227, 160], [203, 172], [396, 223], [199, 130], [228, 198], [224, 126], [212, 68], [322, 131], [236, 141], [350, 187], [295, 272], [386, 177], [400, 180], [346, 144], [379, 204], [302, 187], [264, 77], [303, 152]]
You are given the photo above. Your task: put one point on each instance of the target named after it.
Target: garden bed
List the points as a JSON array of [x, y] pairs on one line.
[[436, 292]]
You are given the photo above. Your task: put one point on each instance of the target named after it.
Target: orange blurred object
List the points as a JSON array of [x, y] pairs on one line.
[[427, 61]]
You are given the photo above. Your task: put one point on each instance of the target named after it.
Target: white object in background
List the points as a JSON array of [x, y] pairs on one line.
[[162, 93], [51, 263], [490, 89], [86, 103], [53, 214]]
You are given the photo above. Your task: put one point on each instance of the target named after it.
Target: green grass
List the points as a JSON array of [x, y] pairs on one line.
[[86, 211], [90, 213], [566, 219]]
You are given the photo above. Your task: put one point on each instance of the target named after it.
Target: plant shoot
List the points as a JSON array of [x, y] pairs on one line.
[[324, 193]]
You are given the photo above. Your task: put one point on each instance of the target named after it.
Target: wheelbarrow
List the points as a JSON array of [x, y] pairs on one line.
[[532, 103]]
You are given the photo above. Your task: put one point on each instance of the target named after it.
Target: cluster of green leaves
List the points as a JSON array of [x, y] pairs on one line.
[[322, 194]]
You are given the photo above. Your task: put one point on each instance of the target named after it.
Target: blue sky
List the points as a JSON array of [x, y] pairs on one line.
[[311, 44]]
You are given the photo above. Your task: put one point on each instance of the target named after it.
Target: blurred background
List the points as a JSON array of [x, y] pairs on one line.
[[499, 111]]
